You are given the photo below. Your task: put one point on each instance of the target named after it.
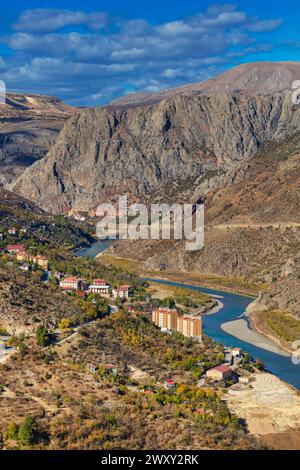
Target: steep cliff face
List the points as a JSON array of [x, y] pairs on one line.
[[100, 153], [29, 125]]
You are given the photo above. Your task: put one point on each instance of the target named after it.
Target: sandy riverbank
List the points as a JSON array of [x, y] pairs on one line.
[[240, 329], [215, 309]]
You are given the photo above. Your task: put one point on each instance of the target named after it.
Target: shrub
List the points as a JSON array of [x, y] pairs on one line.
[[27, 430]]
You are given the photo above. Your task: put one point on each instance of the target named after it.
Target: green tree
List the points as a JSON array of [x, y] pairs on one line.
[[27, 431], [42, 336], [168, 302]]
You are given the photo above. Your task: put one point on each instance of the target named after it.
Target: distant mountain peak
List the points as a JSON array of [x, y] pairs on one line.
[[261, 78]]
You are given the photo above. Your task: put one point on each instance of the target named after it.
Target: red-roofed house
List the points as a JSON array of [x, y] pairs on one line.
[[169, 384], [236, 352], [131, 309], [16, 249], [100, 287], [80, 293], [219, 373], [100, 282]]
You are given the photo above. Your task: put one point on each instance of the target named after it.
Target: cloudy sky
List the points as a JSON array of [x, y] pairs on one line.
[[90, 52]]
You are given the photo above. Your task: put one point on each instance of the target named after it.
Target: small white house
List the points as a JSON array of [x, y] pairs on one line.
[[236, 352]]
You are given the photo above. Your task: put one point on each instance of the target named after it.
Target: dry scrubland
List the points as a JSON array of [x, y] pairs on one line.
[[75, 408]]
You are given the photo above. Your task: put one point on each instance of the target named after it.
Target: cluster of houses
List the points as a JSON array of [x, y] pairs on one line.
[[98, 286], [19, 252], [73, 283], [169, 320]]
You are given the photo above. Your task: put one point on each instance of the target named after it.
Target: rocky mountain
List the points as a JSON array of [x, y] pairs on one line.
[[261, 78], [29, 125], [182, 142]]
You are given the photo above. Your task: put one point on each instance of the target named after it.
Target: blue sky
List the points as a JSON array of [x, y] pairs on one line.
[[90, 52]]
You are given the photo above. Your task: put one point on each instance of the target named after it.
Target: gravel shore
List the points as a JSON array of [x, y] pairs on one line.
[[240, 329]]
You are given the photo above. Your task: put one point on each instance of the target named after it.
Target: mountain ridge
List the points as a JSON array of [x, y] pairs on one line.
[[101, 153], [252, 78]]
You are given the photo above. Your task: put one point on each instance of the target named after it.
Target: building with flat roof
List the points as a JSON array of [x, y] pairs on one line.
[[169, 319], [122, 292], [71, 283], [190, 327], [165, 318]]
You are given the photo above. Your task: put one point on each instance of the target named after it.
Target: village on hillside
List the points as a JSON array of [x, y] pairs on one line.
[[170, 319]]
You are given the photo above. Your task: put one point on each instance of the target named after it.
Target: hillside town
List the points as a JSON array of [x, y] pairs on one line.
[[175, 361], [168, 320]]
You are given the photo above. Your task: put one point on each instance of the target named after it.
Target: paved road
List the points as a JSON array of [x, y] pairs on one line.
[[257, 226]]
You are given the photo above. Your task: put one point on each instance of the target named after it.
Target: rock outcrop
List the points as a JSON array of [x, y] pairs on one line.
[[100, 154]]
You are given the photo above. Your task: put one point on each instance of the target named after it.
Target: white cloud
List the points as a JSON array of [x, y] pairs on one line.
[[44, 20], [91, 64], [173, 73], [264, 26]]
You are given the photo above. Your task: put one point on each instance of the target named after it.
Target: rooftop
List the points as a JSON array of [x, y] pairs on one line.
[[99, 281], [18, 246], [223, 368], [166, 310], [123, 288]]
